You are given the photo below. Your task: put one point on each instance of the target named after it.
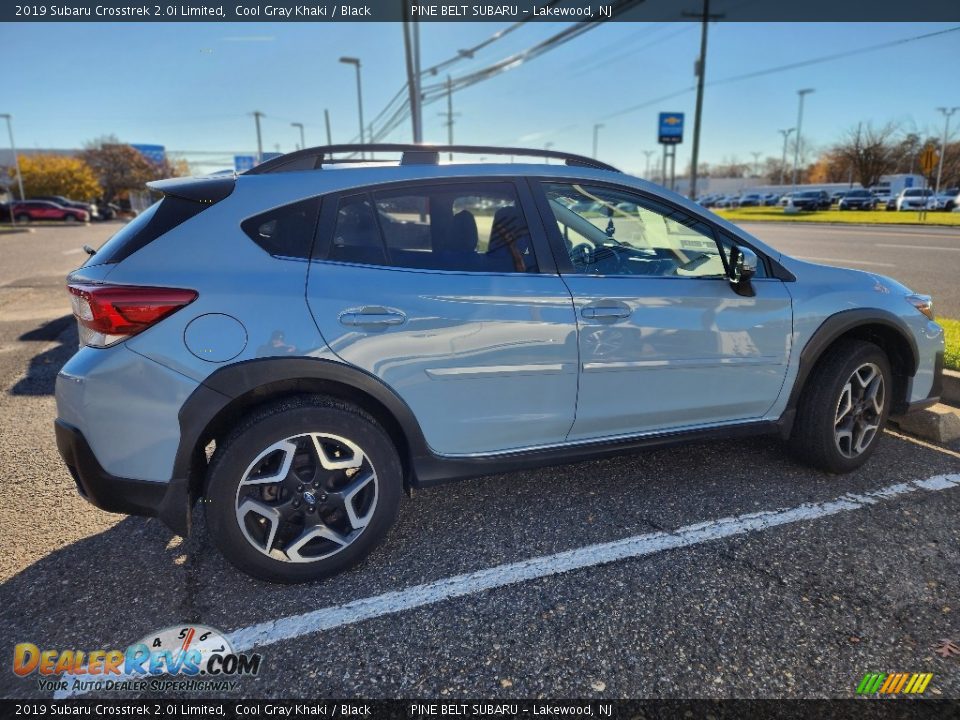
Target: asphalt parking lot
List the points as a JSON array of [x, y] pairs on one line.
[[713, 570]]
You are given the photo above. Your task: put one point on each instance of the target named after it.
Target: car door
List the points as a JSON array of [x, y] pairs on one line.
[[665, 341], [449, 296]]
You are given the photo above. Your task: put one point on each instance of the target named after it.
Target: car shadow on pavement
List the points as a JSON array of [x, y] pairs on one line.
[[41, 375]]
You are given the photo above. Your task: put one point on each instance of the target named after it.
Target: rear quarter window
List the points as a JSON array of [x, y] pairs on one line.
[[286, 231]]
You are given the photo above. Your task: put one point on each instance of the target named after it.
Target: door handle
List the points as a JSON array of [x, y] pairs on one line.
[[606, 311], [372, 317]]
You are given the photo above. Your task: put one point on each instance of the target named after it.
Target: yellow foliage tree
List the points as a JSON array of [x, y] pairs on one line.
[[58, 175]]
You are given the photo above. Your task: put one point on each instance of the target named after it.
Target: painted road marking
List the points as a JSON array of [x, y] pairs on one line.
[[411, 598], [846, 262], [919, 247]]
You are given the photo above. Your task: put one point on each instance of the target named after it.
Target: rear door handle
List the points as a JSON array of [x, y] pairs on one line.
[[372, 317], [606, 310]]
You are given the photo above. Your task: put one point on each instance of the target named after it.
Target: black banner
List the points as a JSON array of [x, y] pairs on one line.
[[891, 709], [516, 11]]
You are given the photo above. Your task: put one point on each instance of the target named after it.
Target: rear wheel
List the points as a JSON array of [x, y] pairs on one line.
[[843, 408], [302, 490], [70, 219], [23, 218]]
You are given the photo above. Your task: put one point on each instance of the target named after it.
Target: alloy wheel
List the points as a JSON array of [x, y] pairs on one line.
[[306, 497], [859, 410]]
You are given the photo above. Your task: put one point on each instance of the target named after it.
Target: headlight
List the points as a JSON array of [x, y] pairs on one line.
[[923, 303]]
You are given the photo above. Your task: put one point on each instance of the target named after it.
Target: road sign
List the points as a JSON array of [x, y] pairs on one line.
[[670, 130], [242, 163], [929, 158], [157, 154]]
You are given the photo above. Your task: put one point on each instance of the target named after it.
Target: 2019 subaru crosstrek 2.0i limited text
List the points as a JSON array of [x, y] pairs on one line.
[[299, 344]]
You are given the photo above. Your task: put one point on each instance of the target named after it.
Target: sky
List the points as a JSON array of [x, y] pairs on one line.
[[193, 86]]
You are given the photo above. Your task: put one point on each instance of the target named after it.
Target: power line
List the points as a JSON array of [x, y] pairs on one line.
[[782, 68]]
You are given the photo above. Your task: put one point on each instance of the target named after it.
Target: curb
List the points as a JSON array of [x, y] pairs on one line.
[[951, 388], [938, 424]]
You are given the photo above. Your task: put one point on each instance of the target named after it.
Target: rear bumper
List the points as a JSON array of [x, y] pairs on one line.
[[167, 501]]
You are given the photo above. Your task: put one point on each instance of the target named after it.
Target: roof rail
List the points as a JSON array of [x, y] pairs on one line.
[[315, 158]]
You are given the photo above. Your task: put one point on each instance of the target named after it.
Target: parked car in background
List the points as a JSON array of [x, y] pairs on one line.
[[857, 200], [943, 199], [953, 205], [89, 208], [31, 210], [771, 198], [727, 202], [407, 322], [837, 195], [812, 200], [785, 199], [751, 200], [914, 199]]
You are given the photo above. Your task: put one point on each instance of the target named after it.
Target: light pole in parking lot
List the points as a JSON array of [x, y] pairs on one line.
[[16, 161], [356, 63], [783, 161], [648, 153], [256, 116], [596, 130], [947, 112], [796, 148], [303, 143]]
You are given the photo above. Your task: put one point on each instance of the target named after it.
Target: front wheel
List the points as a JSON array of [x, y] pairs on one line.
[[843, 408], [302, 490]]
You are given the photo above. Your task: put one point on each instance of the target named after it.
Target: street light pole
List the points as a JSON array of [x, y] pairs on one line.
[[356, 63], [947, 112], [256, 116], [648, 153], [783, 161], [596, 130], [796, 150], [16, 161], [303, 143], [411, 47], [326, 118]]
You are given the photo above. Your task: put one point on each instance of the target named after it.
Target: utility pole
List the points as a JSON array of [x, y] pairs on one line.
[[947, 112], [411, 45], [700, 70], [326, 118], [256, 116], [16, 161], [356, 63], [596, 130], [783, 162], [756, 163], [547, 146], [648, 153], [450, 114], [796, 148], [303, 143]]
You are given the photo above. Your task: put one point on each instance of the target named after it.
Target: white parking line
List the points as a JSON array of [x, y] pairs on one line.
[[294, 626]]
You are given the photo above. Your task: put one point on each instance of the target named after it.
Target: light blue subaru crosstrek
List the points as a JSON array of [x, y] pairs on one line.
[[299, 344]]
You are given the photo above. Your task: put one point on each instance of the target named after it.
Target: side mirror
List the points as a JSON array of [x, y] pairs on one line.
[[743, 266]]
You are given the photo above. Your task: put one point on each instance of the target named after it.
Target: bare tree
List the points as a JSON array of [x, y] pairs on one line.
[[870, 151]]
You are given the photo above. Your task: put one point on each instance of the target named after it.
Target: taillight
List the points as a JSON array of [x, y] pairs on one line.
[[107, 314]]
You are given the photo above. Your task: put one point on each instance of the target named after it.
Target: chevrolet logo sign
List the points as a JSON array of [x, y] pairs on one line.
[[672, 120]]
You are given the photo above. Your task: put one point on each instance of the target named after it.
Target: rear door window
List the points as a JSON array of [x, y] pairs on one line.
[[461, 227]]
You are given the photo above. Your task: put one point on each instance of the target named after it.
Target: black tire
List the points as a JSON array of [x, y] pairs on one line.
[[813, 439], [285, 419], [23, 218], [69, 218]]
